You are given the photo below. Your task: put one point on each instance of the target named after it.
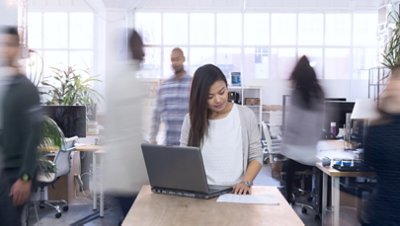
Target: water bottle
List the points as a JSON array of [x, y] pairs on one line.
[[333, 130]]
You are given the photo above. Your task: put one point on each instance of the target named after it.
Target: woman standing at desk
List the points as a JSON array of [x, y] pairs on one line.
[[303, 123], [382, 151], [227, 134]]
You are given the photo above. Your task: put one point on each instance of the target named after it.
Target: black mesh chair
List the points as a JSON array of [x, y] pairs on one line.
[[302, 186]]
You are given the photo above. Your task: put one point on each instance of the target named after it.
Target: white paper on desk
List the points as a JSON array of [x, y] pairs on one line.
[[336, 154], [265, 199]]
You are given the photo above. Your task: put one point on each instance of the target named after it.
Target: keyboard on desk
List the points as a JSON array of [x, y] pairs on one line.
[[355, 166]]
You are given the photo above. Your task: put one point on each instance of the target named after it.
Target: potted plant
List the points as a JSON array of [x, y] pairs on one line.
[[52, 137], [71, 86], [391, 54]]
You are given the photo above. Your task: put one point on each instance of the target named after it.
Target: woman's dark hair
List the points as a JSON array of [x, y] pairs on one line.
[[204, 77], [306, 84], [135, 43]]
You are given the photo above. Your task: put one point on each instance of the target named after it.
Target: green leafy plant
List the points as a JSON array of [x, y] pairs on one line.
[[71, 86], [52, 137], [391, 54]]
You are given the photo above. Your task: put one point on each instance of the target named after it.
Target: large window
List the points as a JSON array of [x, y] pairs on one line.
[[262, 45], [62, 39]]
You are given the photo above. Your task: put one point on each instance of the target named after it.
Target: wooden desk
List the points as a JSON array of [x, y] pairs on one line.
[[335, 179], [88, 148], [95, 150], [155, 209]]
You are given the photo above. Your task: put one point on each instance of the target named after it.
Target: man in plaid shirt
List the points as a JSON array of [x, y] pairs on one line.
[[172, 101]]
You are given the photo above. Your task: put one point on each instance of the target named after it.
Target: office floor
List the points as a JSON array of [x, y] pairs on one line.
[[112, 214]]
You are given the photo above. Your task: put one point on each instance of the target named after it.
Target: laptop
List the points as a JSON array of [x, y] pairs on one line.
[[176, 170]]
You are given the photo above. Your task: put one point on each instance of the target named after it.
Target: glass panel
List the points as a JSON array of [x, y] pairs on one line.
[[364, 32], [81, 59], [311, 29], [167, 69], [35, 30], [364, 59], [229, 59], [81, 31], [282, 62], [202, 29], [229, 29], [256, 63], [55, 30], [57, 59], [149, 25], [256, 29], [200, 56], [315, 57], [337, 63], [151, 67], [337, 29], [175, 28], [283, 29]]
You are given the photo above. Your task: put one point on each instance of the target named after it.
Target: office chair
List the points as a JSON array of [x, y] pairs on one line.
[[302, 186], [268, 150], [62, 162]]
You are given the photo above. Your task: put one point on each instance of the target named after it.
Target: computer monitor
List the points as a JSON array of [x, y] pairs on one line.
[[357, 132], [70, 119], [335, 111], [335, 99]]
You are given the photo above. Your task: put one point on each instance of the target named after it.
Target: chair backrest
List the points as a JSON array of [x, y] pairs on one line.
[[267, 136], [62, 159]]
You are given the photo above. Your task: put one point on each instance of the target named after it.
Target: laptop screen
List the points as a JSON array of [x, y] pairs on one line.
[[175, 167]]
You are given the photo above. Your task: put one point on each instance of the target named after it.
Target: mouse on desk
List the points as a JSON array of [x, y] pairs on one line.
[[326, 161]]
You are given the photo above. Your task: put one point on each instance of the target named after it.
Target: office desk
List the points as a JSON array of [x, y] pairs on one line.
[[97, 153], [335, 179], [95, 150], [155, 209]]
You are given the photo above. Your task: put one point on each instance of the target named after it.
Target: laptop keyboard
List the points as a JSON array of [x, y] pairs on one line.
[[216, 188], [357, 166]]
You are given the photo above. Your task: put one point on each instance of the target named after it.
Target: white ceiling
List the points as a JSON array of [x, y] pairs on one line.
[[241, 4], [209, 5], [127, 4]]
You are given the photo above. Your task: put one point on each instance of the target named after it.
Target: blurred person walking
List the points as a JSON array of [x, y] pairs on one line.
[[382, 152], [125, 172], [172, 101], [303, 122], [20, 126]]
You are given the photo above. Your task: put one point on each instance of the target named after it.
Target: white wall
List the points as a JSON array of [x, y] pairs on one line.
[[272, 90], [8, 13]]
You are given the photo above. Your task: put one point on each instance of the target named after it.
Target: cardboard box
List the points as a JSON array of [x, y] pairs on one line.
[[252, 101]]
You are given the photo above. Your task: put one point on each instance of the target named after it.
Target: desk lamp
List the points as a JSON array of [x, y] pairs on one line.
[[364, 110]]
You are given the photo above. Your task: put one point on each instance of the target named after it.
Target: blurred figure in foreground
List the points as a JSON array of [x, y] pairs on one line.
[[172, 101], [304, 122], [125, 172], [227, 133], [20, 126], [382, 152]]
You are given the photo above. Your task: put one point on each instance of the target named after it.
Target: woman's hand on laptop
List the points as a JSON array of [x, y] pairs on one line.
[[242, 188]]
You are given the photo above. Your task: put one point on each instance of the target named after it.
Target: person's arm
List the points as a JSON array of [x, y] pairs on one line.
[[156, 118], [244, 187], [185, 131], [32, 122], [254, 155]]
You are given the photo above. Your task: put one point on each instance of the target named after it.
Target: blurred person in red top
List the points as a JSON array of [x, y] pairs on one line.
[[382, 152]]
